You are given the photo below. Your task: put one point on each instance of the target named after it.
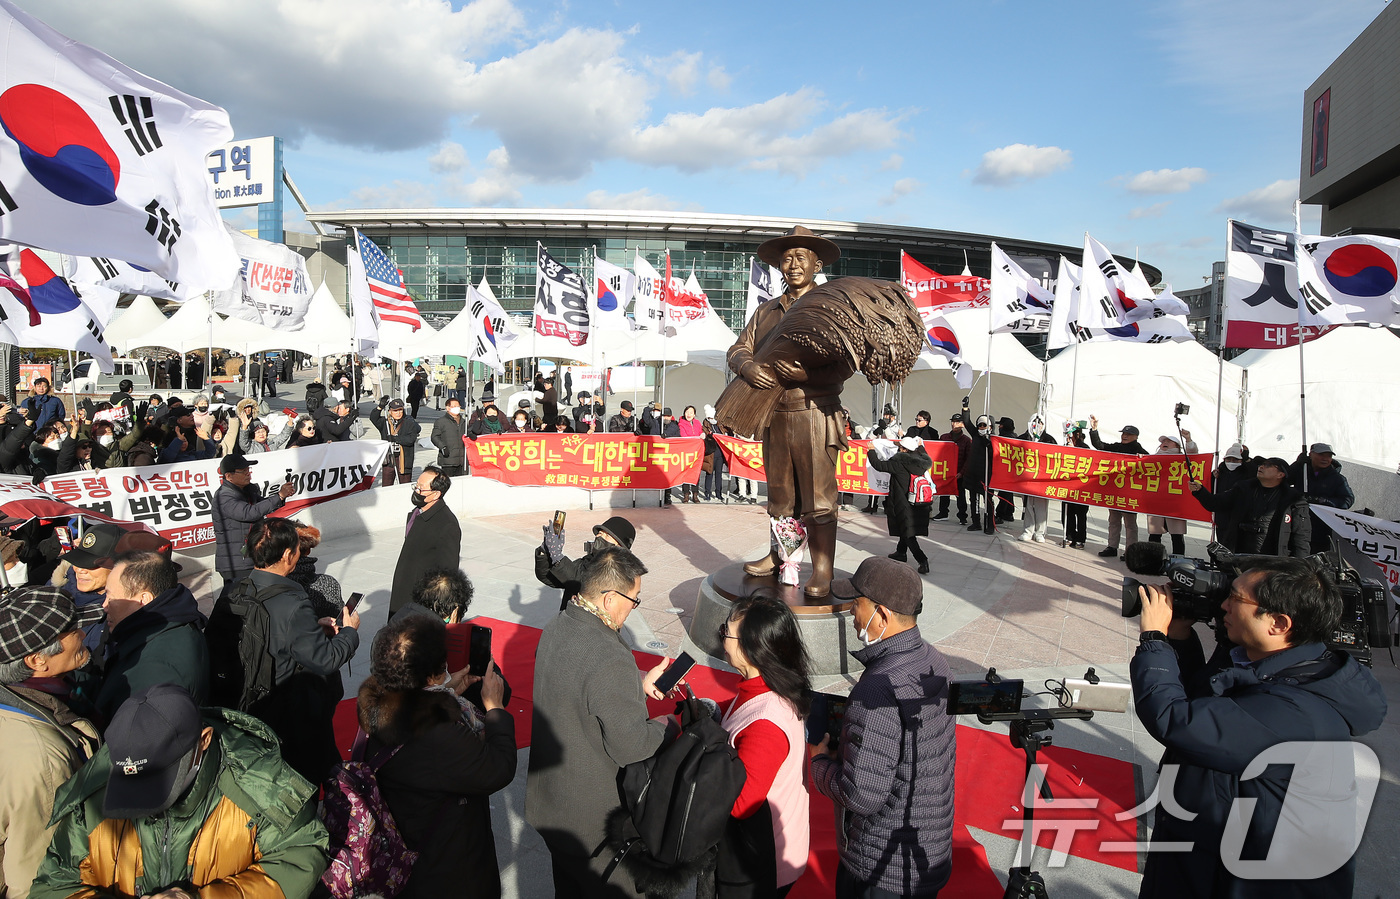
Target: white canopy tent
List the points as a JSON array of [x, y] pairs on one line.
[[1140, 384], [705, 341], [1352, 385], [131, 325]]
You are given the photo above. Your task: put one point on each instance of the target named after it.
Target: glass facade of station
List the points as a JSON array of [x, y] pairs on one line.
[[438, 264]]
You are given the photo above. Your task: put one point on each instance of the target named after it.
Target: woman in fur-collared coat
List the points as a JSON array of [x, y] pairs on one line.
[[449, 757]]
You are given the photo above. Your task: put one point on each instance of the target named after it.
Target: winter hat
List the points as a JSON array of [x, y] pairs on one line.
[[620, 529], [911, 443], [1236, 451], [709, 412]]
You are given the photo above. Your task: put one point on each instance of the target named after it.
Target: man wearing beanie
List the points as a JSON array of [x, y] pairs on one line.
[[178, 801], [554, 569]]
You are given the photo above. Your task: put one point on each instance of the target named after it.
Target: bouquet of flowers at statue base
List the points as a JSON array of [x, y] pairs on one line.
[[791, 539]]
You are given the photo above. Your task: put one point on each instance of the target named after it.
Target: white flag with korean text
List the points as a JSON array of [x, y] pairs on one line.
[[647, 308], [561, 302], [1019, 302], [764, 284], [486, 340], [100, 160], [122, 277], [273, 288]]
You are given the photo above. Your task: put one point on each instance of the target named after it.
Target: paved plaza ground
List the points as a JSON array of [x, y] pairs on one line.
[[1031, 610]]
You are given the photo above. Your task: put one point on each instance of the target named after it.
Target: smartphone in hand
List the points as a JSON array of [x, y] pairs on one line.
[[479, 653], [558, 524], [672, 675]]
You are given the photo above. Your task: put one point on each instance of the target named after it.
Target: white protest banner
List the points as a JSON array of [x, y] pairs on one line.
[[272, 289], [1374, 537], [177, 500]]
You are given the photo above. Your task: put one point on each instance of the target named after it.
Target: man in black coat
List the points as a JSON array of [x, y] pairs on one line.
[[448, 433], [1325, 486], [568, 383], [238, 504], [1118, 520], [336, 421], [255, 384], [907, 521], [432, 537], [554, 569], [958, 435], [1263, 516], [978, 473]]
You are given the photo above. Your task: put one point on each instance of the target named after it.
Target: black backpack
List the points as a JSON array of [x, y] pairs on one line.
[[675, 805], [241, 664]]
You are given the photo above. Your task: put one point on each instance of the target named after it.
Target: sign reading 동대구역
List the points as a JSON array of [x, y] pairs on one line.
[[243, 172]]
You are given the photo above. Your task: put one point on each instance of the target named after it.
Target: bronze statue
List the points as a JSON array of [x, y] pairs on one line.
[[791, 360]]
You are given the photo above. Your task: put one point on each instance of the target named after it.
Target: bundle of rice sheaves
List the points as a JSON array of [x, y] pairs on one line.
[[872, 325]]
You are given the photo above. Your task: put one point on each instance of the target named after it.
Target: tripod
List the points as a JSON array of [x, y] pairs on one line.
[[1030, 731]]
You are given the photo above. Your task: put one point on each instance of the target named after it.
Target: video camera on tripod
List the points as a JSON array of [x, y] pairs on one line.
[[999, 699], [1199, 587]]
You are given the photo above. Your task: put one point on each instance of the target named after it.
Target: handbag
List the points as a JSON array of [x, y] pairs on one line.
[[708, 466]]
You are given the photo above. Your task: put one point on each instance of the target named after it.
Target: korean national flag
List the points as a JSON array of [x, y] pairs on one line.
[[613, 287], [99, 160]]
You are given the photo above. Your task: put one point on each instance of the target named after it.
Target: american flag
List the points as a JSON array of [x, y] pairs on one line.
[[391, 300]]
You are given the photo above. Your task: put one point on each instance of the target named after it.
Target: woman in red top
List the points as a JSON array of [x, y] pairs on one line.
[[690, 426], [765, 847]]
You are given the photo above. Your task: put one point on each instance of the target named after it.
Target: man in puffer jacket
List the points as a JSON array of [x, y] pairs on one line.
[[892, 775], [178, 800]]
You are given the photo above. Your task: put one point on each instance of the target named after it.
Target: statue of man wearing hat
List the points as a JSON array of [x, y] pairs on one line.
[[807, 431]]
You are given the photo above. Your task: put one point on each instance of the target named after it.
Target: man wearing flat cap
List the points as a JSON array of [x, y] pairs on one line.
[[1118, 520], [179, 801], [42, 741], [1320, 476], [807, 431], [891, 777]]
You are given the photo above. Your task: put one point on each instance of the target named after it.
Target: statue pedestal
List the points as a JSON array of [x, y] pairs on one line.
[[824, 623]]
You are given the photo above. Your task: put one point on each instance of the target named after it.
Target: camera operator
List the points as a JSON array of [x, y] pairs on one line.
[[1264, 515], [1283, 685]]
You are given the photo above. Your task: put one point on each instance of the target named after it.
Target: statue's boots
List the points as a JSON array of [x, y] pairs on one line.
[[765, 566], [821, 548]]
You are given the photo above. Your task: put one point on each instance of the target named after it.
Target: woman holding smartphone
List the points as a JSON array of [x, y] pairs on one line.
[[764, 849]]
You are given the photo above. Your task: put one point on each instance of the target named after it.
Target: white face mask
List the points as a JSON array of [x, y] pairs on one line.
[[53, 444], [863, 634], [984, 431], [1231, 466], [445, 686], [106, 440]]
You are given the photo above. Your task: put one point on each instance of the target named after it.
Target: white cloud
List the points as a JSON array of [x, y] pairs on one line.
[[354, 71], [1272, 204], [642, 198], [1019, 162], [718, 78], [1150, 212], [396, 194], [495, 185], [899, 190], [450, 157], [1166, 181], [759, 136], [681, 71], [893, 163]]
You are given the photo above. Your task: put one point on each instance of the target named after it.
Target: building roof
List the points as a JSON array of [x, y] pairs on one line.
[[697, 225]]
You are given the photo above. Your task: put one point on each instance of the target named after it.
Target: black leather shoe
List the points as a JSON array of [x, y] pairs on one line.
[[1109, 553]]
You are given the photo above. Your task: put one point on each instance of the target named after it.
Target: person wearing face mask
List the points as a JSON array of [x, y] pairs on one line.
[[1037, 507], [907, 521], [448, 432], [42, 740], [554, 569], [432, 536], [1118, 521], [180, 800], [979, 467], [1235, 468], [1157, 525], [401, 432], [43, 452], [957, 434], [442, 757], [1076, 514], [487, 422], [521, 424], [1264, 516], [891, 777]]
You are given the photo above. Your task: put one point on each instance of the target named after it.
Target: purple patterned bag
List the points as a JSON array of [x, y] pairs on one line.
[[368, 854]]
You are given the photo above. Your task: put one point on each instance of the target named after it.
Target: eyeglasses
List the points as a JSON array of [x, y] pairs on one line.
[[1240, 599], [725, 634], [636, 601]]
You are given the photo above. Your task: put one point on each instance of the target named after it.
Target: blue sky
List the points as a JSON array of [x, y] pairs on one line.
[[1146, 125]]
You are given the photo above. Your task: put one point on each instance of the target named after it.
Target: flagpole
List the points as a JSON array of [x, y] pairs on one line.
[[665, 314], [1302, 377], [73, 382], [209, 359]]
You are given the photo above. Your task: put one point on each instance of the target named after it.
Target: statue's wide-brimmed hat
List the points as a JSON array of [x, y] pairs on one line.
[[771, 251]]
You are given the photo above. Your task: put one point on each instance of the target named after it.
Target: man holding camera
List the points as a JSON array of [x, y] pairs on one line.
[[401, 432], [1284, 687]]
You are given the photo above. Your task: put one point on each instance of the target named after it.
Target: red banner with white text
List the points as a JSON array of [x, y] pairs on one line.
[[1155, 485], [590, 461], [933, 292], [744, 459]]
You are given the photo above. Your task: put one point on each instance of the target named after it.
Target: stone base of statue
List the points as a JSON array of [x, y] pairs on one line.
[[824, 623]]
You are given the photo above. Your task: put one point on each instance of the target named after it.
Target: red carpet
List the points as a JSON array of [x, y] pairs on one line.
[[985, 797]]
